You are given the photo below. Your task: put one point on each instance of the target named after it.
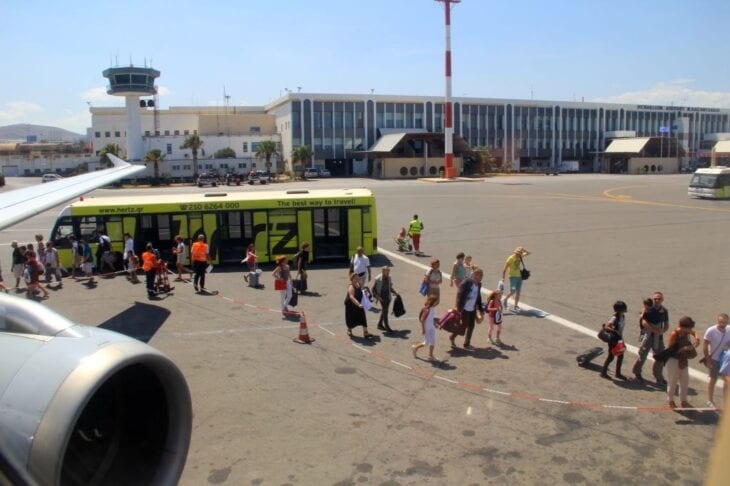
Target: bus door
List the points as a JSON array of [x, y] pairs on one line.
[[260, 235], [157, 229], [304, 230], [231, 236], [283, 232], [115, 231], [329, 230], [212, 235], [354, 229]]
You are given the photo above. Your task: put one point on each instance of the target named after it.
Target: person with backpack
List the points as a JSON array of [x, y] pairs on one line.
[[300, 263], [33, 271], [382, 290], [615, 330], [428, 327], [104, 257]]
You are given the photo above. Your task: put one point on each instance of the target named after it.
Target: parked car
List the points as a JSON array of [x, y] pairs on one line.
[[261, 176], [311, 173], [207, 179], [233, 179], [50, 177]]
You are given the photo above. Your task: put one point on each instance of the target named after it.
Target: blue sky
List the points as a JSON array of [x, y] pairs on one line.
[[646, 51]]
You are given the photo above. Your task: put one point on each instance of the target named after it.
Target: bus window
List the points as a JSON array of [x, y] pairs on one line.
[[64, 228], [709, 181], [87, 227]]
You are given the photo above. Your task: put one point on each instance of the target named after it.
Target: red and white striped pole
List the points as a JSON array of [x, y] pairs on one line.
[[449, 170]]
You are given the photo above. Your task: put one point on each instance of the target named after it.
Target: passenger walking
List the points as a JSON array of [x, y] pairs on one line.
[[382, 290], [104, 257], [199, 256], [615, 326], [87, 259], [428, 328], [301, 259], [458, 271], [2, 283], [76, 256], [414, 231], [494, 315], [50, 261], [654, 323], [360, 266], [468, 302], [354, 310], [128, 253], [433, 278], [150, 262], [40, 249], [181, 255], [282, 275], [715, 343], [250, 261], [33, 271], [683, 340], [469, 266], [514, 265], [18, 262]]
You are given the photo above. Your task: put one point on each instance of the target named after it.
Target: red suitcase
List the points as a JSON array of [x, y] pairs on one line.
[[451, 322]]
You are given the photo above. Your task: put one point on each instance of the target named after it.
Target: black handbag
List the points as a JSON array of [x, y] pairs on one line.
[[294, 300], [398, 307], [524, 273]]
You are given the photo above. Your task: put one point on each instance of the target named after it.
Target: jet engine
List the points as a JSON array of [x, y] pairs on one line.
[[82, 405]]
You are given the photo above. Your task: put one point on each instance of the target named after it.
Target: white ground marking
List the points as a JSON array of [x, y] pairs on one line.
[[699, 375]]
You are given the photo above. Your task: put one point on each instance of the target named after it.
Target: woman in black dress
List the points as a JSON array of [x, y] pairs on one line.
[[354, 311]]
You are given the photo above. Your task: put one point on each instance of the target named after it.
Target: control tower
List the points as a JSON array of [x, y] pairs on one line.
[[132, 82]]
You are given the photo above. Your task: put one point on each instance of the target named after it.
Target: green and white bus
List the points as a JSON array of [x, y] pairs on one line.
[[334, 222], [710, 183]]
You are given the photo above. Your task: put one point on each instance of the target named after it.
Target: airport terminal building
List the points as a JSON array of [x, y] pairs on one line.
[[343, 129]]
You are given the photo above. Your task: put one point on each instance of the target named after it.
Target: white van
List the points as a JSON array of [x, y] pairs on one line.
[[710, 183]]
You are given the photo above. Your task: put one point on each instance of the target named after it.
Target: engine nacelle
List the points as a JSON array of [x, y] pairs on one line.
[[82, 405]]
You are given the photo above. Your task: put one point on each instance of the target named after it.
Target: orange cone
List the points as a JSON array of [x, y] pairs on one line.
[[303, 332]]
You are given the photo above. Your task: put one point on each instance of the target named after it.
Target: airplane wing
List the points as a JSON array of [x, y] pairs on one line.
[[20, 204]]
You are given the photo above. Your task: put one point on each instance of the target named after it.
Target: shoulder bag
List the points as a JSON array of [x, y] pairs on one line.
[[524, 273]]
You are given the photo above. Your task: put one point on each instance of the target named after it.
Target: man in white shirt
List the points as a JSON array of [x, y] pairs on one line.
[[716, 340], [360, 265]]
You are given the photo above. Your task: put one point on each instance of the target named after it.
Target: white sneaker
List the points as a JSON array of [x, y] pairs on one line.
[[710, 404]]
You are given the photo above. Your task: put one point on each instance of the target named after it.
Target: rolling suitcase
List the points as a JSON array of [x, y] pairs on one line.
[[253, 278], [451, 322]]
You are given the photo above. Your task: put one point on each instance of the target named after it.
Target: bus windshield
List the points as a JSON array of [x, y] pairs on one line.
[[709, 181]]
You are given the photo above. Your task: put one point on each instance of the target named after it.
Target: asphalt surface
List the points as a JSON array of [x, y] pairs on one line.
[[341, 411]]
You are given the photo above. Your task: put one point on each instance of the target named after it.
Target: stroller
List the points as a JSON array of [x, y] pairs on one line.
[[162, 282], [404, 243]]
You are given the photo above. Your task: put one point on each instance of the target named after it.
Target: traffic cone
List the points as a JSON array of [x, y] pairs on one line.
[[303, 332]]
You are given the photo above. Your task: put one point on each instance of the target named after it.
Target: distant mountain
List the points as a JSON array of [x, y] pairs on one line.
[[41, 133]]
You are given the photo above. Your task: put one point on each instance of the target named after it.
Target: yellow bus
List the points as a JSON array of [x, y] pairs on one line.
[[333, 222]]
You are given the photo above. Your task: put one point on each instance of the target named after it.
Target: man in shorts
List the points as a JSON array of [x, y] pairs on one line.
[[654, 323], [716, 340]]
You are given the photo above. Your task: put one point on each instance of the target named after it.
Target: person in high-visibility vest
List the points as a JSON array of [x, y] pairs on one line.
[[414, 231], [199, 257]]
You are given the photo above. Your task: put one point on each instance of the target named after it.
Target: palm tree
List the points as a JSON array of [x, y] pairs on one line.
[[155, 156], [193, 142], [265, 150], [110, 148], [301, 155]]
